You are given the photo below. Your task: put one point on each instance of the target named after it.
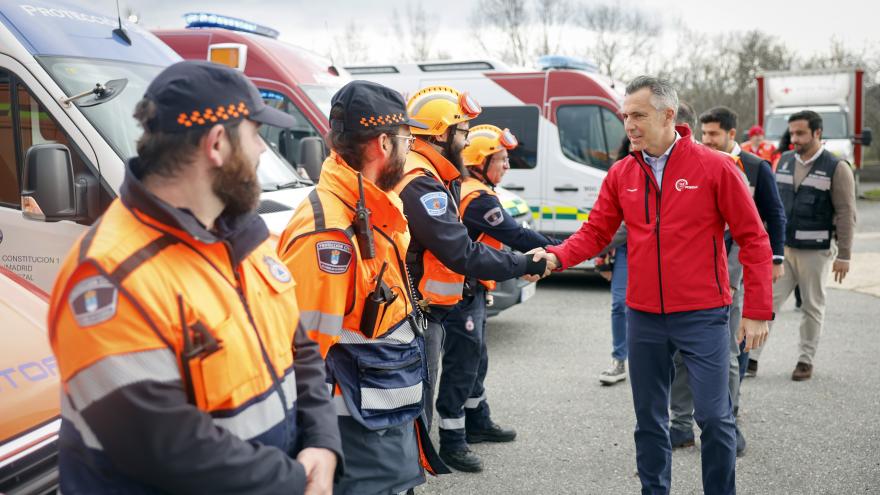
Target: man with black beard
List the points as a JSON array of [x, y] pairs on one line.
[[442, 253], [346, 245], [175, 325]]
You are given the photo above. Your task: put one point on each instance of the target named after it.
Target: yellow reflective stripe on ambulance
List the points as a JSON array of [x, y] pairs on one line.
[[560, 213]]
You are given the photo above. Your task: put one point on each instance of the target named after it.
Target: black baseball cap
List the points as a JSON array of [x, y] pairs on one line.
[[370, 106], [193, 94]]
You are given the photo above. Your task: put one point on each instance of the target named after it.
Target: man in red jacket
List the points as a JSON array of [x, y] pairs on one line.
[[676, 197]]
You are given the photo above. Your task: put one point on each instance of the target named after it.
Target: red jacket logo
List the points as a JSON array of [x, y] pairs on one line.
[[682, 184]]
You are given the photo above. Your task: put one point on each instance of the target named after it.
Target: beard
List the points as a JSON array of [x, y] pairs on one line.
[[237, 185], [455, 155], [393, 171]]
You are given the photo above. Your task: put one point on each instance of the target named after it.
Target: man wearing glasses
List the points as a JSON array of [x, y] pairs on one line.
[[345, 246], [441, 254]]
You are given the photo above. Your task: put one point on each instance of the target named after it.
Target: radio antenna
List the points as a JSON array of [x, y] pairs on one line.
[[120, 31]]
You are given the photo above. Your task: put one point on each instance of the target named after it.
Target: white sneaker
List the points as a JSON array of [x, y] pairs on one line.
[[616, 373]]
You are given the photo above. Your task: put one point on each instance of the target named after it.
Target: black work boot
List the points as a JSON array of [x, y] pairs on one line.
[[462, 460], [493, 433]]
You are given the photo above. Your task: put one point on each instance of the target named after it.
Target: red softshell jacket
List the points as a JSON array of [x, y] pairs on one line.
[[675, 245]]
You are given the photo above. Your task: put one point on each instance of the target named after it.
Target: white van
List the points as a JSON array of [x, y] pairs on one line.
[[69, 81], [565, 116]]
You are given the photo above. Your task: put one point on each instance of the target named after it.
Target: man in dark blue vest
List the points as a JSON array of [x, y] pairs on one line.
[[718, 126], [818, 193]]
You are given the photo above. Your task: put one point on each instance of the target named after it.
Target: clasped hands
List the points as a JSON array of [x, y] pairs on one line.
[[537, 255]]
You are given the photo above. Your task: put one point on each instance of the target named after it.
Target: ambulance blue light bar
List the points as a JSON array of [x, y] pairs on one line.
[[208, 20], [548, 62]]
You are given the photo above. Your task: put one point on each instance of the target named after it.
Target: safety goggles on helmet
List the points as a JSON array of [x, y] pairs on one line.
[[469, 105], [507, 140]]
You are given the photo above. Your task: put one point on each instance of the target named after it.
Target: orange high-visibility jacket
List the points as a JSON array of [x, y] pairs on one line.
[[378, 380], [438, 285], [319, 246], [470, 189], [182, 361], [765, 150]]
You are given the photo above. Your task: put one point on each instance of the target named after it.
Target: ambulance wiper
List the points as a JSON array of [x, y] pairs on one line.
[[101, 93], [288, 185]]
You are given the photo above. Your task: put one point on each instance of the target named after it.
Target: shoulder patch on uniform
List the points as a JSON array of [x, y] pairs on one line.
[[494, 216], [333, 256], [277, 269], [435, 203], [93, 300]]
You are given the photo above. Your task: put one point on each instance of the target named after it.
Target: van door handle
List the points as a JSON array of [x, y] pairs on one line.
[[514, 187], [567, 188]]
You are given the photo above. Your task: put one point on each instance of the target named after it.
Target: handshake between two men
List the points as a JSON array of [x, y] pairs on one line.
[[539, 254]]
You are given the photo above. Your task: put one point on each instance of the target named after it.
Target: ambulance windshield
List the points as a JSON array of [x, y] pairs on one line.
[[321, 95], [833, 125], [114, 120]]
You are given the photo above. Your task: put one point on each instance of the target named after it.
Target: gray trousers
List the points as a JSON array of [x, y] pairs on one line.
[[681, 401], [433, 348]]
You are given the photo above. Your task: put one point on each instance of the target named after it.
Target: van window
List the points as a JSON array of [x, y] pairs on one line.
[[523, 123], [287, 140], [589, 134], [30, 123], [36, 126], [9, 193]]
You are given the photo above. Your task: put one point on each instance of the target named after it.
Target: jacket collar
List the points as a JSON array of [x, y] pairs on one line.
[[243, 233], [338, 178], [448, 172]]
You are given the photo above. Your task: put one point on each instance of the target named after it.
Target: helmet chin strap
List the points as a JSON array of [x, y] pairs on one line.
[[482, 173]]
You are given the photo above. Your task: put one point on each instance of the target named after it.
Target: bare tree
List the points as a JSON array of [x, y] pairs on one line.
[[552, 16], [621, 34], [720, 70], [510, 18], [351, 48], [415, 32]]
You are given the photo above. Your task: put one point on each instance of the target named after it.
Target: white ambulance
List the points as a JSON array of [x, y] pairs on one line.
[[70, 77], [565, 116]]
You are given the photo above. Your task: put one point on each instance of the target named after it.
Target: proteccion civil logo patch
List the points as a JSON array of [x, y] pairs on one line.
[[494, 217], [277, 270], [93, 300], [435, 203], [333, 256]]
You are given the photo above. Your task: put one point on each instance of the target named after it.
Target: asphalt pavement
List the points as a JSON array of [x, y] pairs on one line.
[[576, 436]]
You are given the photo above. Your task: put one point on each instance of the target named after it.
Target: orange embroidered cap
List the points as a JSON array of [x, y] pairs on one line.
[[199, 94], [370, 106]]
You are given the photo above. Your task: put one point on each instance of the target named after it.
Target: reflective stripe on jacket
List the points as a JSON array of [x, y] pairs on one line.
[[377, 374], [438, 284], [176, 350]]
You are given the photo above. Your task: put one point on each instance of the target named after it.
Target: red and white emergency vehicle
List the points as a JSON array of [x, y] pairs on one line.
[[565, 116], [300, 83]]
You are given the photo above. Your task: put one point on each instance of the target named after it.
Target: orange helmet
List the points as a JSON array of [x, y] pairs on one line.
[[439, 107], [486, 140]]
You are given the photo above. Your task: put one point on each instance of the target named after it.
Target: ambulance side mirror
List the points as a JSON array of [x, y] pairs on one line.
[[311, 156], [50, 191]]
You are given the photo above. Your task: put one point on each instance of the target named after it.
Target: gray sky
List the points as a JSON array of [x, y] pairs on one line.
[[805, 25]]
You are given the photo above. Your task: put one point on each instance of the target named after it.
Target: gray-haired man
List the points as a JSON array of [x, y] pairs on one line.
[[676, 196]]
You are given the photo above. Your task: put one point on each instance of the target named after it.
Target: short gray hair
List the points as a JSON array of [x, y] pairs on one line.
[[663, 95]]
